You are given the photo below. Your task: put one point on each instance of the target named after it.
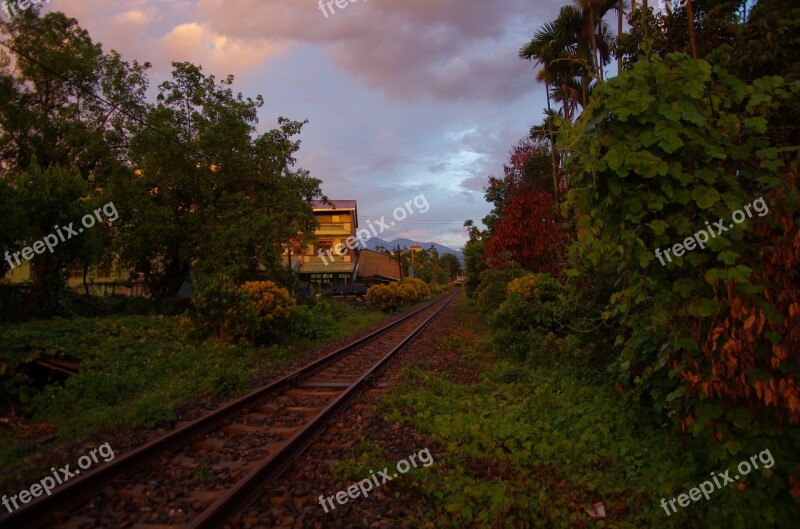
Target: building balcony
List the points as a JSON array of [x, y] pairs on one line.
[[315, 259], [334, 228]]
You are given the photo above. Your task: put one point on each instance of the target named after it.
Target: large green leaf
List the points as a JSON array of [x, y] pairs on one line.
[[705, 197]]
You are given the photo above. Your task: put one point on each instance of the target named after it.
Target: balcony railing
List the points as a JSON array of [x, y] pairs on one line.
[[318, 260], [332, 226]]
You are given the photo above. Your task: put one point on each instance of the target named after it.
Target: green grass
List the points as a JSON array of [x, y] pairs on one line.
[[350, 319], [534, 447], [135, 371]]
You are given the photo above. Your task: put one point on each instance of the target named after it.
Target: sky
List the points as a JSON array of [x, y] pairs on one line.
[[403, 97]]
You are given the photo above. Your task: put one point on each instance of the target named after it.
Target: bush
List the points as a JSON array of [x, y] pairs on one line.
[[268, 310], [423, 291], [218, 306], [491, 291], [313, 323], [529, 320], [384, 297], [707, 339], [228, 382], [408, 293], [256, 311]]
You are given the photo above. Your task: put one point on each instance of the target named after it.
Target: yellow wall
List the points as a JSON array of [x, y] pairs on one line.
[[20, 274]]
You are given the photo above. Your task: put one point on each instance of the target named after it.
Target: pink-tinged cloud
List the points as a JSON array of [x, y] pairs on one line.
[[403, 96], [445, 49], [200, 44]]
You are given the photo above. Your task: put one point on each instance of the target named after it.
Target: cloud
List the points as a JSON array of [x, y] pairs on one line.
[[201, 45], [475, 183], [402, 95], [136, 16], [445, 50]]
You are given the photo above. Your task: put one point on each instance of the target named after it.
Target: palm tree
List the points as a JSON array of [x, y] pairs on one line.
[[543, 77], [588, 8], [593, 12]]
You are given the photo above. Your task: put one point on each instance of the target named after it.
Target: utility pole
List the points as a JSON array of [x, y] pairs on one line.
[[399, 262]]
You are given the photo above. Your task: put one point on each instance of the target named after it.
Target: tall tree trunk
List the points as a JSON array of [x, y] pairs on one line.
[[593, 41], [85, 283], [567, 113], [553, 160], [690, 17], [619, 35], [584, 85], [547, 90], [552, 141]]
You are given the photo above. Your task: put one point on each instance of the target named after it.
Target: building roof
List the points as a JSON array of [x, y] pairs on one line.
[[337, 204]]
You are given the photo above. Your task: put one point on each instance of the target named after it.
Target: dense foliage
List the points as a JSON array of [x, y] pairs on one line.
[[196, 188], [698, 132], [256, 311], [393, 296]]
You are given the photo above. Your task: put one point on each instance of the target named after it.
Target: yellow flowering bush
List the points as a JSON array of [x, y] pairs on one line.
[[423, 291], [269, 308], [408, 293], [384, 297], [255, 311], [526, 287]]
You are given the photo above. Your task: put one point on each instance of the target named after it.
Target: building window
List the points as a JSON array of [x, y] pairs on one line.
[[325, 246]]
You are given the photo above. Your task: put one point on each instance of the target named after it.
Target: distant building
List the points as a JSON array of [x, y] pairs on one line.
[[376, 268], [100, 280], [328, 261]]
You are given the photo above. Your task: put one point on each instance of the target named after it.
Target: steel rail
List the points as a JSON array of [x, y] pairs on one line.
[[87, 485], [248, 490]]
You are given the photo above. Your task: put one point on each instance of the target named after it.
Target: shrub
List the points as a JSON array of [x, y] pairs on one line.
[[408, 293], [228, 382], [256, 311], [423, 291], [268, 311], [313, 323], [707, 339], [384, 297], [218, 306], [530, 315], [491, 291]]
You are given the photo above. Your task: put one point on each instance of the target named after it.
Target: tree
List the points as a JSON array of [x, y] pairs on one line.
[[564, 56], [593, 12], [451, 265], [528, 232], [528, 166], [690, 22], [695, 329], [51, 111], [66, 109], [474, 263], [221, 200]]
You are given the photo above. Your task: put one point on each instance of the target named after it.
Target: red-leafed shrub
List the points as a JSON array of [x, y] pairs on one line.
[[529, 232]]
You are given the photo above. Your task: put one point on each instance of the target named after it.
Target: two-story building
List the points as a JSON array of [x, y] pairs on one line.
[[329, 261]]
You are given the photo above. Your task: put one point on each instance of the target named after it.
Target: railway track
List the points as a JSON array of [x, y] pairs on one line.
[[207, 470]]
